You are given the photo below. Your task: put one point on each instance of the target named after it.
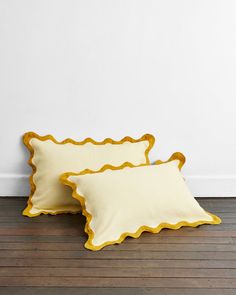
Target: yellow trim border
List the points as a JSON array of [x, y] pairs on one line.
[[30, 135], [176, 156], [89, 243]]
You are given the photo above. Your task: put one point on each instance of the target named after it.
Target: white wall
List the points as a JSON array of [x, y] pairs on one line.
[[112, 68]]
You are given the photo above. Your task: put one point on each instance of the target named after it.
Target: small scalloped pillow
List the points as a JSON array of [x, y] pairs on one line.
[[125, 201], [50, 158]]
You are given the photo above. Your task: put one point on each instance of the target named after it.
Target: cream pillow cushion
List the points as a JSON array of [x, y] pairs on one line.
[[50, 158], [125, 201]]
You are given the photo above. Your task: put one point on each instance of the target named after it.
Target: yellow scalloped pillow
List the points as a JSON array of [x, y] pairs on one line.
[[125, 201], [50, 158]]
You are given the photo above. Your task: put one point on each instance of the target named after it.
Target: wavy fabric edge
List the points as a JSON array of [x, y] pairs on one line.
[[89, 245], [30, 135], [176, 156]]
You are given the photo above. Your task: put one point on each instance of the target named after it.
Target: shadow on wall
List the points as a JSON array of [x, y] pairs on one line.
[[20, 182]]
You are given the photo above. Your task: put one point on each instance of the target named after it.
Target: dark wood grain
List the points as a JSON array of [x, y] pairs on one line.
[[227, 283], [112, 272], [165, 247], [114, 291], [45, 255], [117, 254], [142, 263]]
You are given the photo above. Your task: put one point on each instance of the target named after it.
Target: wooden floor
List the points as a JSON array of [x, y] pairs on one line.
[[45, 255]]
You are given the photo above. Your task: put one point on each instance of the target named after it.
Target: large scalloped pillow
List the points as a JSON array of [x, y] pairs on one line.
[[125, 201], [50, 158]]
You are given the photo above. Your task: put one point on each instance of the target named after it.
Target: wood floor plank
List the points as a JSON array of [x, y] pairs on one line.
[[141, 263], [11, 211], [12, 201], [58, 225], [227, 215], [62, 218], [113, 291], [119, 282], [70, 231], [16, 211], [117, 254], [123, 247], [121, 272], [213, 204], [226, 220], [218, 209]]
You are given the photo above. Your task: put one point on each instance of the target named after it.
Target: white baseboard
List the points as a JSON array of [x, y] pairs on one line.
[[212, 186], [200, 186], [14, 185]]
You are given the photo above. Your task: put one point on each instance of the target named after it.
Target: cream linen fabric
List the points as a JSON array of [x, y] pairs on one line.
[[125, 202], [51, 159]]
